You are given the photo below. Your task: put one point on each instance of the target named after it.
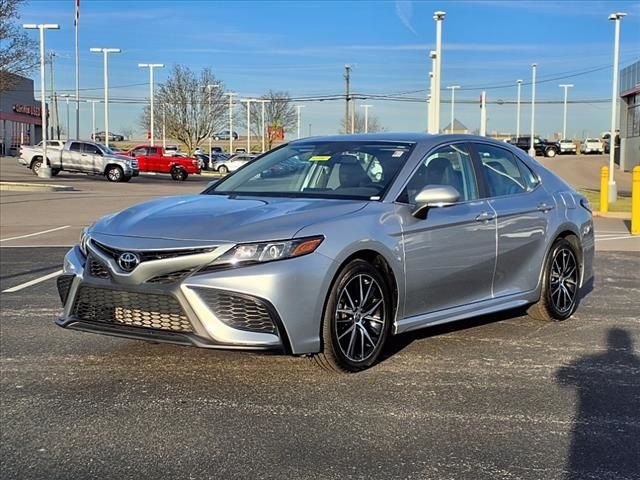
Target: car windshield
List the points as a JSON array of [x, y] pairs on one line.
[[357, 170]]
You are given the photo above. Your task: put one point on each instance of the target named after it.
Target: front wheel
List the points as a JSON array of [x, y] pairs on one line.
[[223, 170], [114, 173], [560, 284], [551, 152], [356, 320]]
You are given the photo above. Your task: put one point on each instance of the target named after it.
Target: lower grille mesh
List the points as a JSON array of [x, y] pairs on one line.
[[161, 312], [241, 312], [97, 269], [64, 284]]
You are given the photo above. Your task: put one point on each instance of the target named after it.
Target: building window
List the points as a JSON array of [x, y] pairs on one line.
[[633, 116]]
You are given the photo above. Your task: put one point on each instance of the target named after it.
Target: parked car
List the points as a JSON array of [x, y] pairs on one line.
[[211, 163], [606, 140], [592, 145], [333, 261], [81, 157], [154, 159], [542, 146], [225, 135], [567, 147], [231, 164], [101, 137]]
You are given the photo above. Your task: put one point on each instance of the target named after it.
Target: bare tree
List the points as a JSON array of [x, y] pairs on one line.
[[18, 51], [127, 132], [279, 112], [373, 124], [192, 111]]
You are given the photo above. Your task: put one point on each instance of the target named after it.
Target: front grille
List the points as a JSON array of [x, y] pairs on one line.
[[170, 277], [146, 255], [64, 285], [97, 269], [161, 312], [238, 311]]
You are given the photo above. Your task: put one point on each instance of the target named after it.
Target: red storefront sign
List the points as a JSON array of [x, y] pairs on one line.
[[33, 110]]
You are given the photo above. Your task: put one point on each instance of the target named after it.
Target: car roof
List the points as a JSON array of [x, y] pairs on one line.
[[410, 137]]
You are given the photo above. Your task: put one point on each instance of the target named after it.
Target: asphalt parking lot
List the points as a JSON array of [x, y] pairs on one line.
[[497, 397]]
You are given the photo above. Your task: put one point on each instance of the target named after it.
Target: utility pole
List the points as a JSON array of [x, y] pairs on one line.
[[262, 122], [209, 87], [353, 116], [453, 100], [438, 17], [230, 95], [298, 107], [248, 102], [532, 148], [66, 97], [483, 114], [519, 83], [93, 118], [347, 79], [54, 113], [366, 117], [564, 121], [613, 189], [432, 95]]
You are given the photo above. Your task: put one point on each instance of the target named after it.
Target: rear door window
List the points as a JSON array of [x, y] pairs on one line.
[[504, 173], [75, 147]]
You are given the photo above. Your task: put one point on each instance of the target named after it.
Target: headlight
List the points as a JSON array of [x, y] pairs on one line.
[[84, 239], [251, 253], [128, 163]]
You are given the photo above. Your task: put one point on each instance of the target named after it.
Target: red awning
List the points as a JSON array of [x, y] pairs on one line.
[[18, 117]]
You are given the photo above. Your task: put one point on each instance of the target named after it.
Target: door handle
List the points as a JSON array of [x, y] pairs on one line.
[[485, 217], [545, 207]]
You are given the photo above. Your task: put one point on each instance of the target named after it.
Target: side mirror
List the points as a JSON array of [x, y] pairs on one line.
[[434, 196], [133, 154]]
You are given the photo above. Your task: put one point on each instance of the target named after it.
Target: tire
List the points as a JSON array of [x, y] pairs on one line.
[[55, 171], [179, 174], [560, 284], [353, 336], [36, 165], [223, 170], [551, 152], [114, 173]]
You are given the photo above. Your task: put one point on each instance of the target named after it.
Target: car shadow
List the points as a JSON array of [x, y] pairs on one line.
[[50, 268], [397, 343], [605, 441]]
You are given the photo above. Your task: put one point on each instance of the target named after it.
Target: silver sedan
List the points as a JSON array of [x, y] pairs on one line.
[[370, 236]]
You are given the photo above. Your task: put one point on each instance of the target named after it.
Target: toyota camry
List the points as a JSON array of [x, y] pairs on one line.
[[372, 236]]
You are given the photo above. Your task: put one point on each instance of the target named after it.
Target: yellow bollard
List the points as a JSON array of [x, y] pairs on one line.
[[635, 201], [604, 189]]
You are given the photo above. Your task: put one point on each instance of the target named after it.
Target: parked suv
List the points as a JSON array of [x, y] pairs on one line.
[[567, 146], [592, 145], [542, 146]]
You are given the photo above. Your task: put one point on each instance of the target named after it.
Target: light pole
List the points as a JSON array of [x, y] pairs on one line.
[[453, 100], [432, 95], [105, 52], [164, 127], [45, 168], [66, 97], [298, 108], [438, 17], [151, 66], [532, 148], [93, 118], [248, 102], [519, 83], [366, 117], [230, 95], [262, 125], [566, 87], [613, 190], [209, 87]]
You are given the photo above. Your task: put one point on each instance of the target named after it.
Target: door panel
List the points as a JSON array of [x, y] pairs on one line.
[[72, 159]]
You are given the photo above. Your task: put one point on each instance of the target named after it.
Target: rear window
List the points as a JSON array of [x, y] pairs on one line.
[[75, 147]]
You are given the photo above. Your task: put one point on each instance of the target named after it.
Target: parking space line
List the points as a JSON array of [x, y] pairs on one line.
[[32, 282], [617, 238], [34, 234]]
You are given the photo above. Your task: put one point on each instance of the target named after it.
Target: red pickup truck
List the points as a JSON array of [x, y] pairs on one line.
[[153, 159]]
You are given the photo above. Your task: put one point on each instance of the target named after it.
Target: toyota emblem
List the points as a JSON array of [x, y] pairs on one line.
[[128, 261]]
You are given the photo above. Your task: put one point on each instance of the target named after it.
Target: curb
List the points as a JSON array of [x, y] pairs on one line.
[[34, 187], [619, 215]]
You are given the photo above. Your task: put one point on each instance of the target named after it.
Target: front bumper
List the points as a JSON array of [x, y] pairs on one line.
[[228, 309]]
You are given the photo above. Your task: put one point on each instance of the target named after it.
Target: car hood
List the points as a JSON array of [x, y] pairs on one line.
[[215, 218]]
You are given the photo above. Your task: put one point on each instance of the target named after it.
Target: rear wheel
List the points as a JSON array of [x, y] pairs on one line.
[[551, 152], [114, 173], [223, 170], [36, 165], [179, 174], [356, 319], [560, 284]]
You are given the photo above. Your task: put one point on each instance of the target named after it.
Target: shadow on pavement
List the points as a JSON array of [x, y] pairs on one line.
[[605, 441]]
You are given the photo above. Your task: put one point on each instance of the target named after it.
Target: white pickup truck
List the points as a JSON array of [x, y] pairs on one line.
[[82, 157]]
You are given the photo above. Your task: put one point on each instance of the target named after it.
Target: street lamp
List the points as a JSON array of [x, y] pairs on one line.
[[45, 168], [438, 17], [151, 66], [366, 117], [566, 87], [105, 52], [93, 118], [432, 95], [532, 149], [453, 100], [209, 87], [230, 95], [248, 102], [613, 190], [262, 129], [519, 83], [66, 97], [298, 108]]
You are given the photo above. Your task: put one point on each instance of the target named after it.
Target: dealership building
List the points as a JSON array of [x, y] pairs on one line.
[[20, 116], [630, 117]]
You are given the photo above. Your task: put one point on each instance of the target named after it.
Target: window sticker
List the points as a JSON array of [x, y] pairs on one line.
[[320, 158], [397, 153]]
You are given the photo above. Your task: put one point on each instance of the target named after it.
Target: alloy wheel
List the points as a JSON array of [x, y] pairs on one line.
[[563, 280], [360, 318]]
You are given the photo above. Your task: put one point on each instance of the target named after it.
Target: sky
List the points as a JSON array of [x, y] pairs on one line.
[[302, 47]]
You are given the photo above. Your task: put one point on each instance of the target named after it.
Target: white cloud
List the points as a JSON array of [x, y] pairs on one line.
[[404, 11]]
